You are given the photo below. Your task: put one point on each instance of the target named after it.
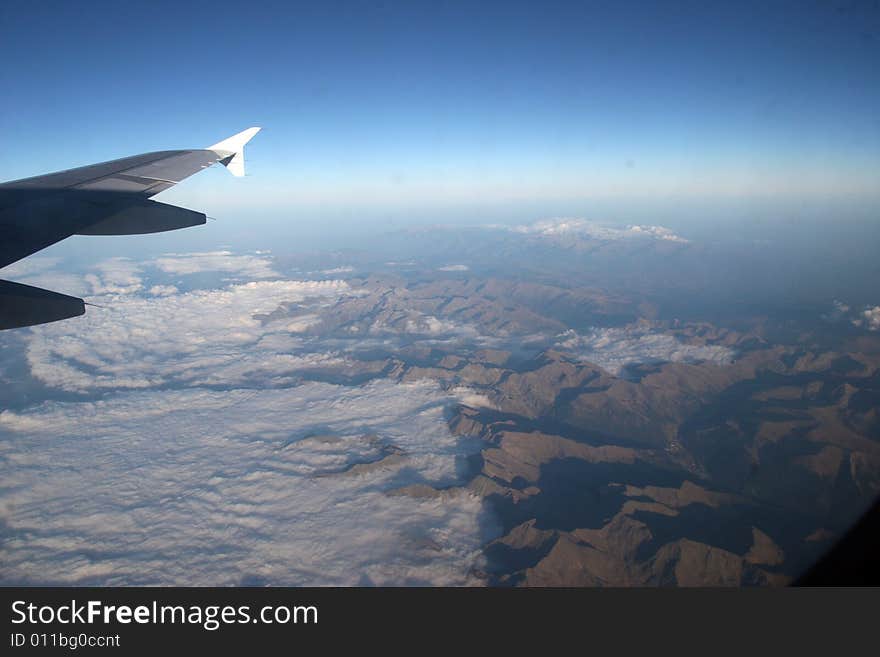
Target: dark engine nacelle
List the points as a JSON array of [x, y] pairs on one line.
[[23, 305], [144, 217]]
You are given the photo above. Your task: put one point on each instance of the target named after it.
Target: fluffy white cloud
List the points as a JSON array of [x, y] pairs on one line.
[[453, 268], [163, 290], [200, 337], [871, 318], [110, 276], [200, 487], [42, 271], [613, 349], [64, 282], [839, 310], [30, 267], [473, 399], [115, 276], [868, 317], [584, 229], [421, 324], [242, 266], [346, 269]]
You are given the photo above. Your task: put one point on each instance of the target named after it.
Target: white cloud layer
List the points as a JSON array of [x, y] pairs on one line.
[[584, 229], [334, 271], [243, 266], [197, 455], [197, 338], [57, 281], [30, 266], [613, 349], [199, 487], [115, 276], [163, 290]]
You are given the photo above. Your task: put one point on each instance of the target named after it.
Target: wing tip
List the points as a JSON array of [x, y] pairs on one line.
[[231, 150], [236, 142]]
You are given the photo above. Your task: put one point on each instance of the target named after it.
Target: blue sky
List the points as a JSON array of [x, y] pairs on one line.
[[430, 107]]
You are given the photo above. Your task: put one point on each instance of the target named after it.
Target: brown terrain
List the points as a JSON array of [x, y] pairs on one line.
[[680, 473]]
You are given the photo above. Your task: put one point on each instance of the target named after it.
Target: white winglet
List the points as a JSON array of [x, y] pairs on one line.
[[232, 150]]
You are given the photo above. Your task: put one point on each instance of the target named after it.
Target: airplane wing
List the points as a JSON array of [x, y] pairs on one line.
[[110, 198]]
